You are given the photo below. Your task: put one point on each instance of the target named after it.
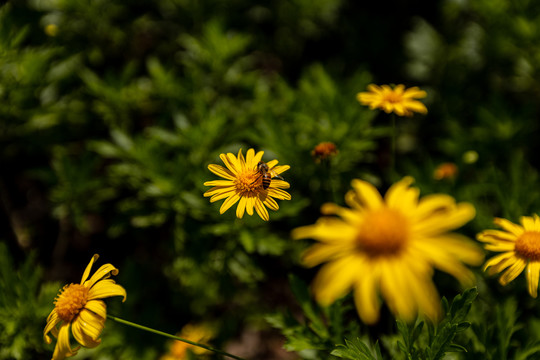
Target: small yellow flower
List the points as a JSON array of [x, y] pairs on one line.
[[244, 184], [78, 308], [51, 30], [389, 247], [445, 171], [398, 100], [197, 333], [324, 151], [520, 247]]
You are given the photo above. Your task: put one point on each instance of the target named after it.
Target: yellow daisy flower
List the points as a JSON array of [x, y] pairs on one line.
[[389, 247], [197, 333], [398, 100], [78, 307], [244, 184], [520, 247]]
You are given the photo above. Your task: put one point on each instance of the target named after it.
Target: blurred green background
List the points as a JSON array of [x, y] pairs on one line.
[[111, 111]]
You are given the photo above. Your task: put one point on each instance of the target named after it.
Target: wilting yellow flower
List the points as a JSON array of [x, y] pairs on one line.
[[78, 307], [389, 247], [445, 171], [398, 100], [520, 247], [324, 151], [244, 184], [197, 333]]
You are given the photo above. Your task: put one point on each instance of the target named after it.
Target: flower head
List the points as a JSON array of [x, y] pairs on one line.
[[196, 333], [445, 170], [244, 184], [389, 247], [79, 308], [520, 247], [398, 100], [324, 151]]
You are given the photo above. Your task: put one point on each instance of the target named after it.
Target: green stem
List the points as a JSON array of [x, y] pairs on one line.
[[125, 322], [393, 146]]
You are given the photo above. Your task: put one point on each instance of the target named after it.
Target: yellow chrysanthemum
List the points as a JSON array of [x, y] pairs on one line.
[[520, 247], [244, 184], [398, 100], [78, 307], [389, 247], [197, 333]]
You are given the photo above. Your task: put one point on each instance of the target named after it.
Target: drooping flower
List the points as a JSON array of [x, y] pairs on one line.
[[323, 151], [244, 184], [197, 333], [445, 170], [389, 247], [398, 99], [80, 310], [520, 247]]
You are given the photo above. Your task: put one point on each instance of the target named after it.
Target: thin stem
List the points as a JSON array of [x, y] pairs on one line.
[[393, 145], [217, 351]]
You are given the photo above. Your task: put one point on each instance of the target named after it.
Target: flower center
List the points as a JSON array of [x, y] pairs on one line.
[[528, 245], [70, 301], [393, 97], [383, 232], [248, 181]]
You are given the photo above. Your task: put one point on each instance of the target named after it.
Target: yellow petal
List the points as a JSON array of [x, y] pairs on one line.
[[279, 184], [81, 332], [63, 348], [528, 223], [241, 207], [533, 274], [327, 229], [433, 203], [230, 201], [224, 183], [52, 321], [395, 292], [271, 203], [250, 204], [261, 210], [367, 195], [366, 296], [319, 253], [499, 262], [280, 169], [402, 196], [90, 324], [106, 288], [335, 279], [88, 268], [104, 272], [230, 162], [98, 307], [224, 193], [279, 194], [513, 271], [250, 154], [221, 171], [443, 221], [219, 190], [509, 226], [496, 236]]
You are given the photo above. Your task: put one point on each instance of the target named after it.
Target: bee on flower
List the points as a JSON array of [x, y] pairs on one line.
[[398, 99], [248, 181]]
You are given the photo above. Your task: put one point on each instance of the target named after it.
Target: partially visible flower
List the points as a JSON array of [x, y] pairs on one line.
[[244, 184], [398, 99], [51, 30], [196, 333], [445, 170], [520, 247], [80, 310], [389, 247], [324, 150]]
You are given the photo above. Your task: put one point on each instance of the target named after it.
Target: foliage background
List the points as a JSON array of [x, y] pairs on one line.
[[111, 111]]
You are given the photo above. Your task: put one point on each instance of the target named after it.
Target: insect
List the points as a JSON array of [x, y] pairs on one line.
[[267, 174]]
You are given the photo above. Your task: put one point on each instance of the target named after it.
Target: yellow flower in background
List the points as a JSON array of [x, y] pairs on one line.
[[244, 184], [324, 150], [80, 310], [196, 333], [520, 247], [389, 247], [398, 99]]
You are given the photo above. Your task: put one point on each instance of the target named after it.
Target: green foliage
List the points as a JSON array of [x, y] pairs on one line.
[[24, 305], [357, 349]]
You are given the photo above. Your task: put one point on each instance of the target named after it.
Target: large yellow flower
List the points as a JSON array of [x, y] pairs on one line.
[[196, 333], [244, 184], [398, 100], [389, 247], [520, 247], [78, 307]]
